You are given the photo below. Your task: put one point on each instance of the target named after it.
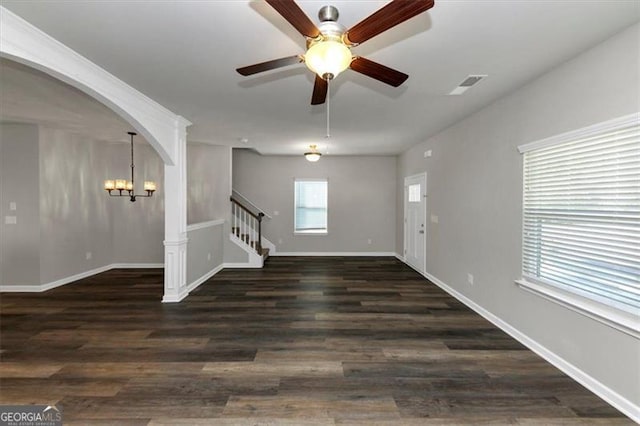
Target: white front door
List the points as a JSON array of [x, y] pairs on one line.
[[415, 218]]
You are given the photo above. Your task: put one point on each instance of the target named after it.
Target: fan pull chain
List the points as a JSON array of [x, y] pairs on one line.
[[328, 108]]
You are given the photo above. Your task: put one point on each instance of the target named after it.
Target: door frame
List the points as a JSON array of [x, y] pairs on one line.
[[405, 187]]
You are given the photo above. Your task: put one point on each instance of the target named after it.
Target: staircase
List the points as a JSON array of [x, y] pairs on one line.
[[246, 228]]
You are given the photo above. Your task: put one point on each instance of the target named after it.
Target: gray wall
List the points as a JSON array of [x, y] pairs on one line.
[[361, 199], [19, 183], [475, 189], [208, 182], [137, 228], [74, 217], [205, 251], [209, 188], [64, 216], [56, 177]]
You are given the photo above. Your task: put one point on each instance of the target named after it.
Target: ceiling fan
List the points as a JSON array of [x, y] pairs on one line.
[[329, 44]]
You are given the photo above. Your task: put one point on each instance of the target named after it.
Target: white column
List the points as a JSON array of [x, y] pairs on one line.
[[175, 220]]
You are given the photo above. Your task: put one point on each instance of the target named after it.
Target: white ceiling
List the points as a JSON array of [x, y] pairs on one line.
[[30, 96], [183, 54]]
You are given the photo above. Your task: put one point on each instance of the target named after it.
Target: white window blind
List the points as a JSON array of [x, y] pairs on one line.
[[581, 224], [311, 206]]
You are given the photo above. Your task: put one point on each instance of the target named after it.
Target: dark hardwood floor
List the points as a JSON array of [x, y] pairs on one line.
[[317, 341]]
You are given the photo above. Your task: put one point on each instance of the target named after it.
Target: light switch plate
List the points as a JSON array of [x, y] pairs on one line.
[[10, 220], [13, 206], [434, 218]]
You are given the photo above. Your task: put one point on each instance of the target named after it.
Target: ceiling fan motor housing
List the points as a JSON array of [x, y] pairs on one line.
[[329, 27], [328, 13]]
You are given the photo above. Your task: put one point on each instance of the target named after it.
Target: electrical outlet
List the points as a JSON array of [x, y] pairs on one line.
[[88, 255], [279, 240], [276, 213], [369, 241], [434, 218], [13, 206], [470, 279], [208, 256]]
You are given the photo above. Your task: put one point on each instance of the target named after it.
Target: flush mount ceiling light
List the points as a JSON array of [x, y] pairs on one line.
[[120, 185], [329, 44], [312, 155]]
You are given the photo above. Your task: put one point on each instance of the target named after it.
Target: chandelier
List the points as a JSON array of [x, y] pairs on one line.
[[126, 188]]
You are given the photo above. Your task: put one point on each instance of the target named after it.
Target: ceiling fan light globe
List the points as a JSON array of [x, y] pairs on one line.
[[312, 156], [328, 57]]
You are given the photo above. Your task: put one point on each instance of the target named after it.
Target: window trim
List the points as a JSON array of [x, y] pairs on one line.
[[604, 313], [615, 318], [580, 133], [315, 232]]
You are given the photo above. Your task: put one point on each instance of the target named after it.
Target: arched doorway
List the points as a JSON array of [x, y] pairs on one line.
[[165, 131]]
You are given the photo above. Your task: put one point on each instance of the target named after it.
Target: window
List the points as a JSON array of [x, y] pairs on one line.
[[311, 206], [581, 213], [414, 193]]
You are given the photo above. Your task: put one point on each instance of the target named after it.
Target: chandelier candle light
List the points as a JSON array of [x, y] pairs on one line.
[[120, 185]]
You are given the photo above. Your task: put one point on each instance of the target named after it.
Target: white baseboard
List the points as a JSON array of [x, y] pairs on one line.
[[62, 281], [21, 288], [204, 278], [191, 286], [175, 299], [336, 253], [136, 265], [612, 397], [48, 286], [239, 265], [400, 257]]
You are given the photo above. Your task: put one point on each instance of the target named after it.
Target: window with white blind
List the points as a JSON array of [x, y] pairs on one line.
[[581, 214], [311, 206]]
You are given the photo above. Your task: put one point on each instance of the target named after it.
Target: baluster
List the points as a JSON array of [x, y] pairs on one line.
[[244, 224], [259, 248], [253, 230]]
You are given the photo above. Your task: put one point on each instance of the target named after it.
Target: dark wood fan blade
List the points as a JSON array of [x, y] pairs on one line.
[[296, 17], [319, 91], [269, 65], [387, 17], [378, 71]]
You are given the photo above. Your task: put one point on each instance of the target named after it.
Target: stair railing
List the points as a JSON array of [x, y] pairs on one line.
[[248, 203], [247, 225]]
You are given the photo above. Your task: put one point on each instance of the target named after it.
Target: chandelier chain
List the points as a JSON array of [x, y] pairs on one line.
[[132, 162]]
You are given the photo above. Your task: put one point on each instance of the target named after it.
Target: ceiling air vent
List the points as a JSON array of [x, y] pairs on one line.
[[466, 84]]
